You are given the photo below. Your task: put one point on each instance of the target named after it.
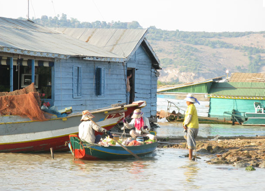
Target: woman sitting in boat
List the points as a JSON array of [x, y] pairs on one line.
[[87, 128], [141, 124]]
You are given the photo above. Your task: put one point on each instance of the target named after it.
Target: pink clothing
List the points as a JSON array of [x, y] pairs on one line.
[[139, 123]]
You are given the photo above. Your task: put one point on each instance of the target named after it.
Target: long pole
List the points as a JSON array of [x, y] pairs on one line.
[[122, 145], [28, 9]]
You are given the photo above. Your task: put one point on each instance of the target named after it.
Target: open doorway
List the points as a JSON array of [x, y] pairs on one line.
[[4, 78], [131, 83]]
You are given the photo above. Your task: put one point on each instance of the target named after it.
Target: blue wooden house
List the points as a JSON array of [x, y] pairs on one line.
[[71, 72]]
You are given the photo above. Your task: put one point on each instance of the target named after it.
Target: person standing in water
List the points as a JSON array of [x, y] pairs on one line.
[[191, 123]]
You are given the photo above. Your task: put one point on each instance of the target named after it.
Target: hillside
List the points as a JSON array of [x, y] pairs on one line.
[[195, 56], [189, 56]]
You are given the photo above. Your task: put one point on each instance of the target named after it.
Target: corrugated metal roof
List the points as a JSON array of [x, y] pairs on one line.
[[238, 89], [27, 38], [182, 85], [122, 42], [189, 84], [247, 77]]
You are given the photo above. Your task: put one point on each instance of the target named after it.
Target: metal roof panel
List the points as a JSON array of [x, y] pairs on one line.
[[238, 89], [118, 41], [29, 38], [247, 77]]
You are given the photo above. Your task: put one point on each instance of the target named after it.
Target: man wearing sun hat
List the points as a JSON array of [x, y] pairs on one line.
[[191, 123], [141, 124], [87, 128]]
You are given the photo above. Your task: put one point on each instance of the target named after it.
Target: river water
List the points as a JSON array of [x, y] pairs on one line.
[[166, 169]]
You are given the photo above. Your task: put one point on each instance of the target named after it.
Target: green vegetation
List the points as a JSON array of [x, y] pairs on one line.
[[160, 84], [250, 168], [187, 59], [64, 22]]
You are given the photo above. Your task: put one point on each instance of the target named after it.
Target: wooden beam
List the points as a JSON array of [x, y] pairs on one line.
[[26, 57], [11, 75], [33, 71]]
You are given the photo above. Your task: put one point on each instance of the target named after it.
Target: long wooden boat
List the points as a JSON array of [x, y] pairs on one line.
[[86, 151], [19, 134]]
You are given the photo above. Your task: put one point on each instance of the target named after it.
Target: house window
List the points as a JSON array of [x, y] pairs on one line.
[[100, 81], [77, 82]]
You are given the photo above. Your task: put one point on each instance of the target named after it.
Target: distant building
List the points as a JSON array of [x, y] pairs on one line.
[[218, 97], [178, 93], [74, 73], [239, 94]]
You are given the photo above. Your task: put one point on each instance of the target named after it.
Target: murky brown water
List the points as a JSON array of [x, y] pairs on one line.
[[164, 170]]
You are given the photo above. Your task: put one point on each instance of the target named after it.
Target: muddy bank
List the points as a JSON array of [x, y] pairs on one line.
[[239, 152]]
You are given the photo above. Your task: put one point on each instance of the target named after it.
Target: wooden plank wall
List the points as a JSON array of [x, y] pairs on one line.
[[145, 81], [63, 80]]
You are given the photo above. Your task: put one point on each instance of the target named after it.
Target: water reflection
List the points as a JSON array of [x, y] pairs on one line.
[[174, 129], [191, 170], [137, 167]]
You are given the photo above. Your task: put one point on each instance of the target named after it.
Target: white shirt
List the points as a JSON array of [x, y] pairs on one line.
[[87, 131]]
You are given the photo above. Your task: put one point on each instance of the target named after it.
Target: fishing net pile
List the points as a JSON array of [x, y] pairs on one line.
[[23, 102]]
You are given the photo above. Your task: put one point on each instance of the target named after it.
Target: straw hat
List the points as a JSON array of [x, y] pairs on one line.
[[137, 113], [86, 115], [190, 98]]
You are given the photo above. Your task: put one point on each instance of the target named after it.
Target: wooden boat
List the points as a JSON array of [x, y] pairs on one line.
[[18, 134], [86, 151]]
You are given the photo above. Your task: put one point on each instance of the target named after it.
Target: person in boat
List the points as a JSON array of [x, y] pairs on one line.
[[141, 124], [191, 123], [87, 128]]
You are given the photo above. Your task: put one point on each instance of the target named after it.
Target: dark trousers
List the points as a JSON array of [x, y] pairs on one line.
[[98, 137]]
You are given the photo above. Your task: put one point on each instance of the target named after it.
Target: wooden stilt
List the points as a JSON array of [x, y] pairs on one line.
[[52, 155]]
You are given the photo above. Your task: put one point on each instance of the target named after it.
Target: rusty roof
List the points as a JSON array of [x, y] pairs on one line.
[[247, 77], [28, 38], [122, 42]]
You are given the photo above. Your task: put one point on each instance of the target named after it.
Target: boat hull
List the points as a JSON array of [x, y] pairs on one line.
[[86, 151], [23, 135], [254, 119]]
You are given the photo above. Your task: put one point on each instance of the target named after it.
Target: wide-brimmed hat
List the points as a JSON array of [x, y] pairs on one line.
[[86, 115], [137, 113], [191, 99]]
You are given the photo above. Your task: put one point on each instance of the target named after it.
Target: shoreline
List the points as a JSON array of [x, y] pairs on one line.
[[240, 152]]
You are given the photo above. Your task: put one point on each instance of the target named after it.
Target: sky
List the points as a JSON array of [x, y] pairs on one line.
[[183, 15]]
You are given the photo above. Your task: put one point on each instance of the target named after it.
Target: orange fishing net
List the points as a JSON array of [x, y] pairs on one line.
[[24, 102]]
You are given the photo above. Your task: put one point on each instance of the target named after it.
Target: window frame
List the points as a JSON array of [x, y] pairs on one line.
[[77, 82], [100, 77]]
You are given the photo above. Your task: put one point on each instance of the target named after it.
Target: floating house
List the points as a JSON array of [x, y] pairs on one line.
[[237, 96], [241, 94], [140, 60], [70, 72]]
